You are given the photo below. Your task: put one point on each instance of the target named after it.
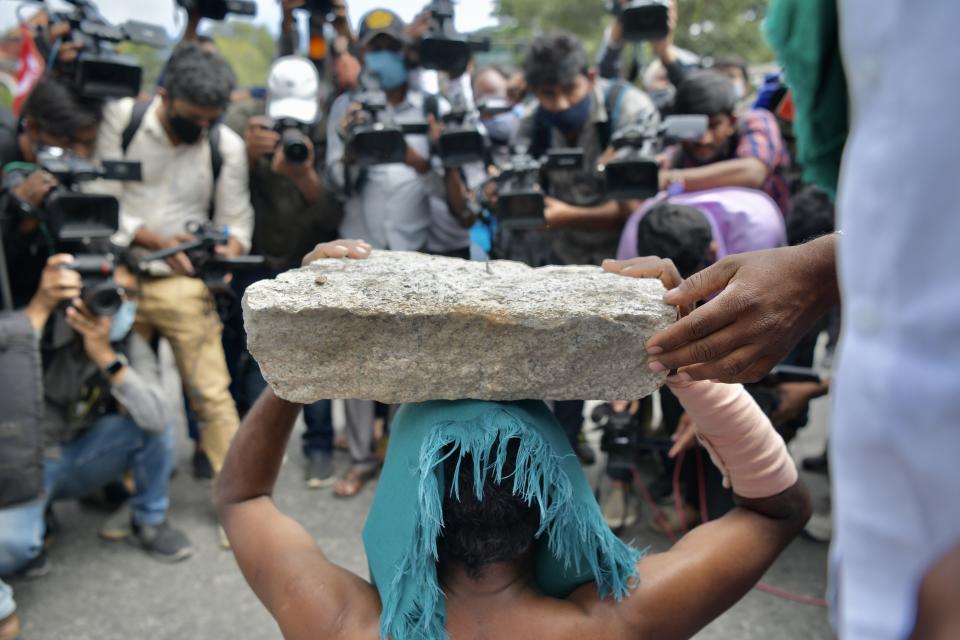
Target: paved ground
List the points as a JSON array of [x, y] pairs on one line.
[[112, 591]]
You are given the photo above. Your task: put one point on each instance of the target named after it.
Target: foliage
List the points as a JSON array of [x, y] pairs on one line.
[[707, 27], [249, 48]]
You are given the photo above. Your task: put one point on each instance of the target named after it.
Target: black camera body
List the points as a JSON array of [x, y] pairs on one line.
[[99, 71], [460, 143], [83, 223], [633, 173], [218, 9], [642, 19], [520, 196], [442, 48], [208, 265], [377, 138], [321, 8], [294, 139]]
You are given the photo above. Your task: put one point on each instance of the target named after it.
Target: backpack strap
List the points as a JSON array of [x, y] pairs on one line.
[[612, 99], [540, 141], [136, 119], [216, 163]]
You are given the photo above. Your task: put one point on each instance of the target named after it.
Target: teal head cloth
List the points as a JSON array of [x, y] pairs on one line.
[[575, 545]]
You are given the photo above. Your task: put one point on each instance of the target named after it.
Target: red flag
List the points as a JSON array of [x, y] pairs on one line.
[[30, 67]]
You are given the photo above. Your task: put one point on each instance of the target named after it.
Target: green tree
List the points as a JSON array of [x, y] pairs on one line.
[[707, 27], [250, 49]]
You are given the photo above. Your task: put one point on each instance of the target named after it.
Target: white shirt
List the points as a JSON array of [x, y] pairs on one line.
[[391, 209], [177, 179], [896, 441]]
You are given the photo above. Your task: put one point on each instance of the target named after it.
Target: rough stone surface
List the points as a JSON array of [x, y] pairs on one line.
[[406, 327]]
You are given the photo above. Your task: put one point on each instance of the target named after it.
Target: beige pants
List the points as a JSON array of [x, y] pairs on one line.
[[183, 311]]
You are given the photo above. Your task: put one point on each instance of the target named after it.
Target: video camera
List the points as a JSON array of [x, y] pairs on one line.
[[642, 19], [218, 9], [99, 71], [208, 265], [377, 138], [442, 48], [634, 173], [461, 142], [83, 223], [321, 8], [519, 191]]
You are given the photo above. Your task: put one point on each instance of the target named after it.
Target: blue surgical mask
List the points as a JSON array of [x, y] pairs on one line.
[[389, 67], [571, 118], [122, 321], [501, 127]]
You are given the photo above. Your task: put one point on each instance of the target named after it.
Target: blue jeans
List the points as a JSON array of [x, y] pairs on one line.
[[112, 444]]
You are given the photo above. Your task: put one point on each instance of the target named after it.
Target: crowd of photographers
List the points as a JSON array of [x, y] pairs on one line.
[[133, 217]]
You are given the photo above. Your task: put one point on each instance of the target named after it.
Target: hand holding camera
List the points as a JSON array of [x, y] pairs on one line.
[[34, 189], [95, 331], [56, 285]]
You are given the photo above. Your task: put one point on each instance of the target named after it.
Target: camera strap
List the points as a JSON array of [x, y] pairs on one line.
[[137, 115]]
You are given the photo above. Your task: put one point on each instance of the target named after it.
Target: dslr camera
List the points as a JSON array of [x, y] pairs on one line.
[[376, 138], [293, 139], [642, 19], [519, 185], [99, 71], [218, 9], [442, 48], [633, 173]]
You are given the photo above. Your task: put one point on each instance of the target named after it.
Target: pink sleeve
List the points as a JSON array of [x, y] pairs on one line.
[[739, 437]]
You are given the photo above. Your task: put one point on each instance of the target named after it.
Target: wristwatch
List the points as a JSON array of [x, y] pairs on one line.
[[119, 363]]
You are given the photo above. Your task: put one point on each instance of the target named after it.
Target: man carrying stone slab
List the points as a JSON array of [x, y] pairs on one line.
[[484, 524]]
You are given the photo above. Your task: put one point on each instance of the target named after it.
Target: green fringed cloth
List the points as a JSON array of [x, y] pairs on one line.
[[575, 544]]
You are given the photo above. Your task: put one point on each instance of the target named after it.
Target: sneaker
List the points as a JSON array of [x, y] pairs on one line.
[[202, 469], [116, 526], [162, 541], [10, 627], [585, 453], [619, 507], [222, 538], [36, 568], [319, 471]]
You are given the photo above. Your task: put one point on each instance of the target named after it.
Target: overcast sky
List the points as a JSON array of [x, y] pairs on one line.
[[471, 14]]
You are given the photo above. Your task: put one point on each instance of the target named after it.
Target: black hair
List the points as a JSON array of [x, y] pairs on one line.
[[199, 76], [705, 93], [56, 109], [554, 59], [735, 61], [678, 232], [499, 528], [811, 215]]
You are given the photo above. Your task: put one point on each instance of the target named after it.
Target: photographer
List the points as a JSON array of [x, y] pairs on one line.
[[194, 171], [104, 413], [293, 213], [736, 151], [577, 109], [387, 205], [52, 115]]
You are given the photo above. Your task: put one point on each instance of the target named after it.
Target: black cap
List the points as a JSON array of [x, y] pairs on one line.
[[380, 21]]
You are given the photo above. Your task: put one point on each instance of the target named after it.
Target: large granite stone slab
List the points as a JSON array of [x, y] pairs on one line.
[[406, 327]]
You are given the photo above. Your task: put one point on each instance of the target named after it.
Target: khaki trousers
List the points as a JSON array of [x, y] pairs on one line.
[[182, 310]]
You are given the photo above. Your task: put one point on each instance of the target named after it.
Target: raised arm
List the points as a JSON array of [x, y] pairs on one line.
[[309, 596]]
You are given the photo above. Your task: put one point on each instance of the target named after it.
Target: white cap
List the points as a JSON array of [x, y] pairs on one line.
[[293, 88]]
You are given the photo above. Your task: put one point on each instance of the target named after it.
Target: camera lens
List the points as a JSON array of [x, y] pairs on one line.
[[294, 146], [102, 298]]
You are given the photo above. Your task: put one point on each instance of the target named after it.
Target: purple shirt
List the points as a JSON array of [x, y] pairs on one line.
[[742, 220]]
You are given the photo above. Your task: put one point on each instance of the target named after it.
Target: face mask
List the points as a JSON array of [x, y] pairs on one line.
[[500, 127], [569, 119], [122, 321], [185, 129], [389, 67]]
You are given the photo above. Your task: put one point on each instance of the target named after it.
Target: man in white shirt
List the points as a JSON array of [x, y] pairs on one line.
[[181, 145]]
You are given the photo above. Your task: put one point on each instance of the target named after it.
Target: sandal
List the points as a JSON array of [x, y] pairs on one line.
[[352, 482]]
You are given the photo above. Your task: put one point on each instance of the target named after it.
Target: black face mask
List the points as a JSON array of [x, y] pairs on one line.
[[185, 129]]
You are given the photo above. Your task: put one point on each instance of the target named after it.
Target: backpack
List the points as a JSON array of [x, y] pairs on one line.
[[612, 98], [213, 139]]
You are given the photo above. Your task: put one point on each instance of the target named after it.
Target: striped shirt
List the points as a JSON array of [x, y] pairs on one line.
[[758, 136]]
